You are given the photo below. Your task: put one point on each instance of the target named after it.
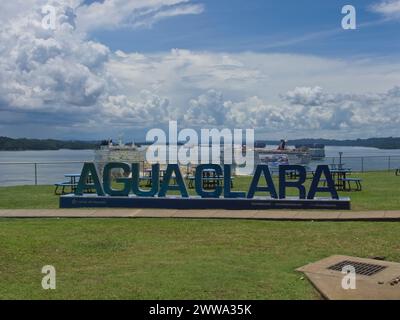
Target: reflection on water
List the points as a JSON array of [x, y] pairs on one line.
[[357, 158]]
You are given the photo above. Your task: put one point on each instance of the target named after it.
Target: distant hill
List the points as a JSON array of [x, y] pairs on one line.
[[9, 144], [380, 143]]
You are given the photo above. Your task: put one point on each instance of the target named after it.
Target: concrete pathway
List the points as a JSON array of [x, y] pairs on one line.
[[205, 214]]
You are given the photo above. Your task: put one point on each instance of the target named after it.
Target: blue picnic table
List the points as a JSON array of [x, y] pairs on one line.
[[71, 184]]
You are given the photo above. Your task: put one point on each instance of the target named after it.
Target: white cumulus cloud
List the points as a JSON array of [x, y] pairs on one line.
[[388, 8], [64, 80], [44, 69]]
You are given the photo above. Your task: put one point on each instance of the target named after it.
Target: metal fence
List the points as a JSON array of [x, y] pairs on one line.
[[48, 173], [363, 164], [36, 173]]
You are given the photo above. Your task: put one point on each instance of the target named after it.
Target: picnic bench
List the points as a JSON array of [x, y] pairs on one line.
[[146, 179], [72, 188], [63, 185], [294, 174], [346, 184], [354, 181], [208, 182], [72, 184]]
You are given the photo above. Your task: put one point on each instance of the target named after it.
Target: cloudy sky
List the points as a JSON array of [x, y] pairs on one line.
[[283, 67]]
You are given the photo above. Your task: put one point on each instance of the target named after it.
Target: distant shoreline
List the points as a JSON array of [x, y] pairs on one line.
[[25, 144], [389, 143]]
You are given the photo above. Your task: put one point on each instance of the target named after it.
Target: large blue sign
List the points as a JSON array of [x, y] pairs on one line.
[[173, 181]]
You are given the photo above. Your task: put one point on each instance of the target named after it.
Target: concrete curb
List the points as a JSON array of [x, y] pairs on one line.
[[274, 215]]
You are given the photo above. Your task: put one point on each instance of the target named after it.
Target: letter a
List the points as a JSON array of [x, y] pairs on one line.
[[49, 280], [49, 20], [349, 280], [349, 21]]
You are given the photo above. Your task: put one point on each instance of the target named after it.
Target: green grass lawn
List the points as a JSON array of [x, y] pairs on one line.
[[381, 191], [178, 259], [183, 259]]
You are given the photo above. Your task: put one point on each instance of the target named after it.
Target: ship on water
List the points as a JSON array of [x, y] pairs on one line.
[[110, 151], [281, 155], [273, 157], [316, 150], [276, 156]]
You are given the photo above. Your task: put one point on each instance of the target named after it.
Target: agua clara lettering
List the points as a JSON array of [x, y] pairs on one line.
[[169, 191], [173, 180]]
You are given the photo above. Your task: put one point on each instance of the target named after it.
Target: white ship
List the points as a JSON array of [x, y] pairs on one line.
[[111, 152], [316, 150], [282, 155], [131, 153]]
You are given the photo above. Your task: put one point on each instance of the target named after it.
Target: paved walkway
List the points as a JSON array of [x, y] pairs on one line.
[[205, 214]]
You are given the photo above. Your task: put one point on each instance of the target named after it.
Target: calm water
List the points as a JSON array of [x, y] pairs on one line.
[[362, 159], [24, 174], [21, 174]]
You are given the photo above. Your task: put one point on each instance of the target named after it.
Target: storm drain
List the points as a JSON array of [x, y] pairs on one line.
[[375, 279], [365, 269]]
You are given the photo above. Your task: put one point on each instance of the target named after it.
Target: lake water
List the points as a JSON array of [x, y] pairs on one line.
[[51, 172], [362, 158], [357, 158]]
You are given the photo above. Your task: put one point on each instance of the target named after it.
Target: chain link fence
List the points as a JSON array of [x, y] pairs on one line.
[[48, 173]]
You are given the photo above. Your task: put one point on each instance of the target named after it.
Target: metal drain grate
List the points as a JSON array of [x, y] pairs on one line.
[[365, 269]]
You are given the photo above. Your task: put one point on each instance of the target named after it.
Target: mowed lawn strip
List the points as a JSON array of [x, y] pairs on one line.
[[178, 259]]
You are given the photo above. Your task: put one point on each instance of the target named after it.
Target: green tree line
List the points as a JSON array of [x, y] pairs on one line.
[[9, 144]]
